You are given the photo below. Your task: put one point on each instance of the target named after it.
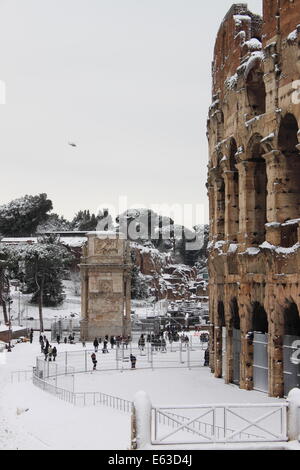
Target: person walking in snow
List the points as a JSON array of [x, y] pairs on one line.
[[58, 339], [96, 345], [104, 350], [206, 358], [50, 351], [46, 348], [133, 361], [54, 353], [31, 336], [94, 360]]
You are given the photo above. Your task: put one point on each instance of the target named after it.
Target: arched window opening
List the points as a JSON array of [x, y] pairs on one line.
[[233, 196], [287, 137], [256, 91], [292, 321], [287, 143], [236, 324], [220, 207], [259, 196], [260, 319]]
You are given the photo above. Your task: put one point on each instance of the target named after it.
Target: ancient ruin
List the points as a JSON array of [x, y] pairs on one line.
[[105, 282], [254, 194]]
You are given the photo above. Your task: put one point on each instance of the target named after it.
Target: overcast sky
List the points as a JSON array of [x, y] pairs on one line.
[[127, 80]]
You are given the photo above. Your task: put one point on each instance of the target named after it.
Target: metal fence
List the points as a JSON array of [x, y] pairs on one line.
[[83, 398], [176, 355], [220, 424]]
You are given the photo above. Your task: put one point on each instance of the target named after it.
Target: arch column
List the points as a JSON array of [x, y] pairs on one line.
[[246, 375], [219, 206], [275, 348], [211, 198], [276, 168], [231, 205], [246, 201]]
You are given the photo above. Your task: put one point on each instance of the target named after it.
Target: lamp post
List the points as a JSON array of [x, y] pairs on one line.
[[9, 301]]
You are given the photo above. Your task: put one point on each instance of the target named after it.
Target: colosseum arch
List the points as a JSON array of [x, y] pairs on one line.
[[292, 320], [287, 144], [260, 327], [233, 213], [257, 189], [235, 323], [259, 319], [255, 86]]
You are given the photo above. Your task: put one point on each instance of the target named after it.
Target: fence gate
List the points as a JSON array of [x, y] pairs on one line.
[[236, 339], [224, 355], [291, 371], [260, 362]]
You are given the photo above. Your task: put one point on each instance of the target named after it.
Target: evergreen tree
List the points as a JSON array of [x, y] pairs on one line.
[[84, 221], [45, 266], [139, 285], [21, 217]]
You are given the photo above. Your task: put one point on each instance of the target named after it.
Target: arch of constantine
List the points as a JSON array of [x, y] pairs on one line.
[[106, 286]]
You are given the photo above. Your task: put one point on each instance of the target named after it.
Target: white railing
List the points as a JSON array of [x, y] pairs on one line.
[[84, 398], [220, 424]]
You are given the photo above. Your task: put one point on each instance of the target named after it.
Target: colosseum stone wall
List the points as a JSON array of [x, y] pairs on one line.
[[254, 193]]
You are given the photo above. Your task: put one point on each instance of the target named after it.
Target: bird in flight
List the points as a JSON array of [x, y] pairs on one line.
[[72, 144]]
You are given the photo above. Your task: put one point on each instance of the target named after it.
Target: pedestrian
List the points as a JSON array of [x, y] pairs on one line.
[[112, 342], [104, 350], [65, 340], [50, 351], [133, 361], [141, 343], [41, 338], [31, 336], [206, 358], [83, 343], [58, 339], [46, 348], [54, 353], [96, 345], [94, 360], [42, 345]]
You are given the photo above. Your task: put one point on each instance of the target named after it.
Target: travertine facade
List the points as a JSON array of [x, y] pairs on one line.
[[106, 287], [254, 194]]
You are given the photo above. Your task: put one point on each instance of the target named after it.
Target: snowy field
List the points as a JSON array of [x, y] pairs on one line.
[[33, 419]]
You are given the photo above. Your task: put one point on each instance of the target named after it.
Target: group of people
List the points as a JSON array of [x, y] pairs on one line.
[[70, 339], [49, 352], [113, 340]]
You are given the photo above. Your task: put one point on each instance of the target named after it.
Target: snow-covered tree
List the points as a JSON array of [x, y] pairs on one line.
[[22, 216], [139, 282], [45, 267], [54, 223], [84, 221]]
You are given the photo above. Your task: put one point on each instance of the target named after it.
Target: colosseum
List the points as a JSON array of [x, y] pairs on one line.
[[254, 194]]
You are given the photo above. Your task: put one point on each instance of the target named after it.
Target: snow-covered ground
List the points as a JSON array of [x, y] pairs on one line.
[[33, 419]]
